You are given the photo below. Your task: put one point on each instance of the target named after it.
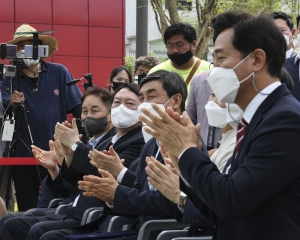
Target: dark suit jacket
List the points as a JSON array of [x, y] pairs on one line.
[[128, 147], [259, 198], [293, 70], [140, 200], [69, 188]]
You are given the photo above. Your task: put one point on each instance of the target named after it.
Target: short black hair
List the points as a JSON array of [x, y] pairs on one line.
[[172, 83], [285, 17], [255, 32], [105, 96], [147, 61], [286, 78], [228, 20], [297, 20], [188, 32], [131, 86]]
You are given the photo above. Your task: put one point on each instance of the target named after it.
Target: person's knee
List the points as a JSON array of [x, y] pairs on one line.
[[5, 217], [52, 235], [9, 225], [37, 230]]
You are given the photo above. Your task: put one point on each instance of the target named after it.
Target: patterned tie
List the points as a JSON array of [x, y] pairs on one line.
[[241, 130]]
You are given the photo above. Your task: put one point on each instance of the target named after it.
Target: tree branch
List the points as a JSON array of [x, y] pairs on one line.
[[161, 14], [156, 16], [173, 11], [198, 10]]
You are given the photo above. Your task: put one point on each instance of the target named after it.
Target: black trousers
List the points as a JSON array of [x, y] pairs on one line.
[[34, 228], [27, 183]]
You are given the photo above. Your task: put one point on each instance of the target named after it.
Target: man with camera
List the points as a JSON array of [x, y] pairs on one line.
[[40, 87]]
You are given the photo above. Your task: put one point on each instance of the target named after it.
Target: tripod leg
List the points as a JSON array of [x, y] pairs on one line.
[[8, 189]]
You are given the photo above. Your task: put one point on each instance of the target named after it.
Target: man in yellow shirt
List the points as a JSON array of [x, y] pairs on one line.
[[180, 41]]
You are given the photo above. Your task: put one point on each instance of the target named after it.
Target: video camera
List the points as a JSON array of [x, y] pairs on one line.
[[9, 52]]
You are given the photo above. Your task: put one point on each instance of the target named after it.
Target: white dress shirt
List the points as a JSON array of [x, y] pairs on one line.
[[224, 152]]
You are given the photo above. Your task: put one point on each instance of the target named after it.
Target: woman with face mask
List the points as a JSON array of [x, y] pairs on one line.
[[118, 76], [225, 117]]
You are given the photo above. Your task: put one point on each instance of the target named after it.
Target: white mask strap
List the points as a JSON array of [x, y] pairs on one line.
[[242, 61], [168, 100], [246, 78]]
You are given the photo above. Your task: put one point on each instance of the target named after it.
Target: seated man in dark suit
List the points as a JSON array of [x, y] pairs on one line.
[[90, 99], [258, 194], [128, 146], [167, 89]]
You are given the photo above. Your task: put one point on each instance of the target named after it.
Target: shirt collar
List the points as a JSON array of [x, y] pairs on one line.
[[296, 58], [93, 142], [289, 53], [257, 100]]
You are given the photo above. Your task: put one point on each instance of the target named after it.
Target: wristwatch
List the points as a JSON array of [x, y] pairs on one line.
[[182, 198], [74, 146]]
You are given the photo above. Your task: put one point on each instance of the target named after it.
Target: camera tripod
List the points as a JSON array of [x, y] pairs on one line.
[[13, 148]]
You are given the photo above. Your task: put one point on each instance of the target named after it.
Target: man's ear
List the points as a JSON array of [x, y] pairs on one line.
[[177, 101], [259, 60], [109, 117], [194, 45], [294, 33]]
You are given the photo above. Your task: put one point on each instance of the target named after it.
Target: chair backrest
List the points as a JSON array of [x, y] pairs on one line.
[[118, 223], [193, 238], [90, 215], [169, 234], [93, 215], [162, 224]]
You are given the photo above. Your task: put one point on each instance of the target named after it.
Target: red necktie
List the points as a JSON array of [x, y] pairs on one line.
[[241, 130]]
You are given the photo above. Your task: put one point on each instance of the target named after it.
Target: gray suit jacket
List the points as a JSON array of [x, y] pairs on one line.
[[198, 97]]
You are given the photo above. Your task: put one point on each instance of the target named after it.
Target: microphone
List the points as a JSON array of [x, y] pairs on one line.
[[74, 81]]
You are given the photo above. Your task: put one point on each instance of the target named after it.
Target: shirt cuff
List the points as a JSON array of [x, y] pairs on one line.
[[121, 175], [185, 181], [109, 205], [182, 153]]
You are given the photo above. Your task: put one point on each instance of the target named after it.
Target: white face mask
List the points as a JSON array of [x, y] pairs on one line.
[[216, 116], [148, 106], [287, 39], [27, 61], [123, 117], [225, 83], [234, 114]]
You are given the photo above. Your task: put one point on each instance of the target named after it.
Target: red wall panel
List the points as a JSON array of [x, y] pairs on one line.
[[76, 65], [101, 68], [106, 13], [7, 11], [33, 11], [70, 12], [72, 40], [7, 31], [106, 42]]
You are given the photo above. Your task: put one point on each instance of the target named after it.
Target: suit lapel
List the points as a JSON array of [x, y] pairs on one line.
[[108, 135], [126, 136], [256, 119]]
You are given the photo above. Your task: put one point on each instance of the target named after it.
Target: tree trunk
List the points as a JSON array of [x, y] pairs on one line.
[[204, 30]]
